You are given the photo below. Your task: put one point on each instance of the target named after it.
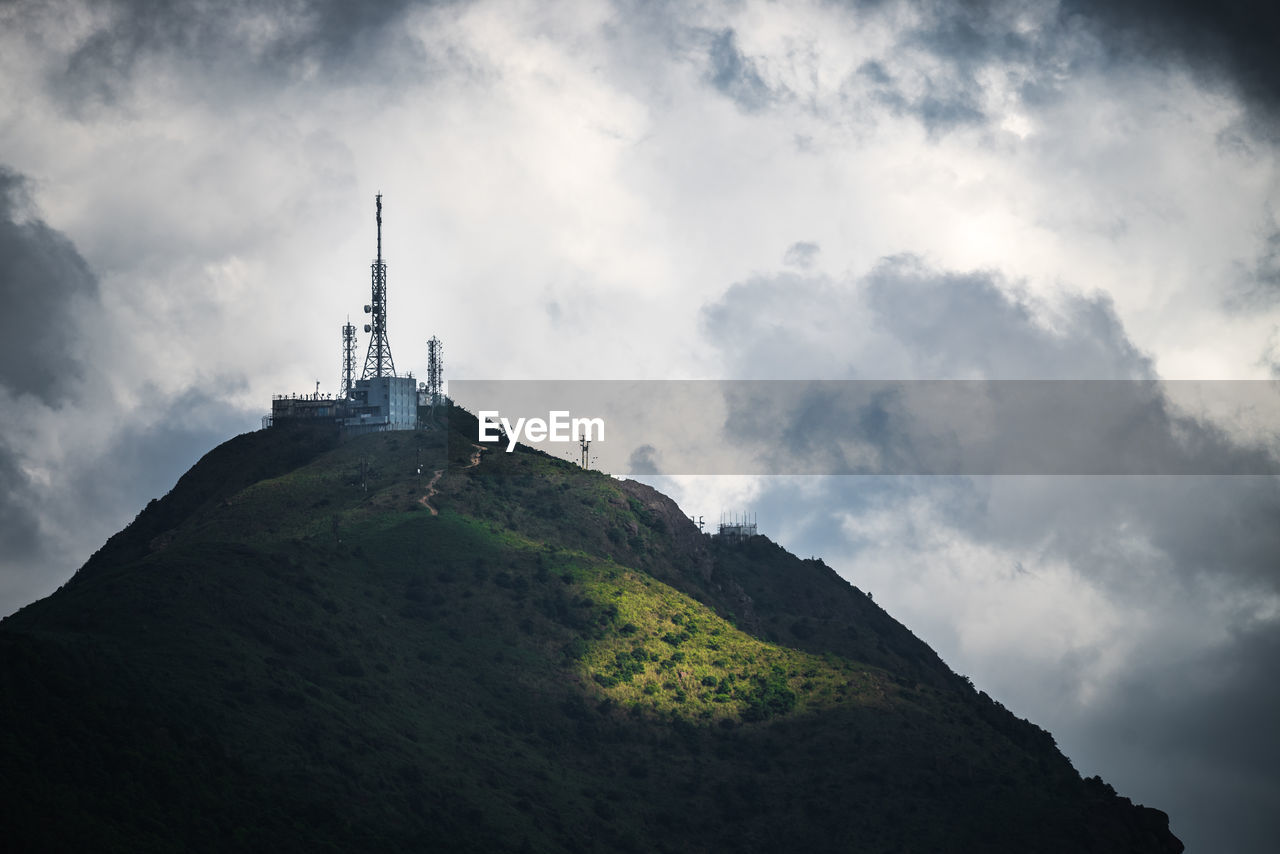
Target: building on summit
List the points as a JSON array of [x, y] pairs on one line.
[[379, 400]]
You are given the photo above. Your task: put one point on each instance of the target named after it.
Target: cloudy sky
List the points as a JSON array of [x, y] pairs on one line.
[[731, 190]]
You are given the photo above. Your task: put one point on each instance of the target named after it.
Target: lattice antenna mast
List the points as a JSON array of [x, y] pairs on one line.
[[435, 370], [377, 362], [348, 383]]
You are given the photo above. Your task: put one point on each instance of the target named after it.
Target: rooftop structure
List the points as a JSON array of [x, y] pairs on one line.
[[735, 527]]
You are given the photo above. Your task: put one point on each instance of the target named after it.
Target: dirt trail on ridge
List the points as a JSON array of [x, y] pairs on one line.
[[425, 500]]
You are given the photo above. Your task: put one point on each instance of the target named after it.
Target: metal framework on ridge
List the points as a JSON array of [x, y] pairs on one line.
[[377, 362]]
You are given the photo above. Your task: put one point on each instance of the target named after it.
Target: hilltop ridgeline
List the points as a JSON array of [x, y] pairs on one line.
[[403, 643]]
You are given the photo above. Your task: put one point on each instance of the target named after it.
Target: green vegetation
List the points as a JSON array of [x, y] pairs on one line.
[[662, 653], [292, 652]]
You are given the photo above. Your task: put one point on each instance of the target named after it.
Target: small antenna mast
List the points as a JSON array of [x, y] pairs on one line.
[[435, 371], [348, 359]]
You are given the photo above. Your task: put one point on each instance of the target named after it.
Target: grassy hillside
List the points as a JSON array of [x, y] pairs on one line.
[[319, 646]]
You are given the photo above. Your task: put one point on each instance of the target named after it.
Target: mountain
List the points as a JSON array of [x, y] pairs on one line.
[[404, 643]]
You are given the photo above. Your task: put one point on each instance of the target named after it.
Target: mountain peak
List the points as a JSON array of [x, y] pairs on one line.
[[403, 642]]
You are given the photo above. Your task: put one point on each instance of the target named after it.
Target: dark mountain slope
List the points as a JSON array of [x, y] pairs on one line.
[[308, 646]]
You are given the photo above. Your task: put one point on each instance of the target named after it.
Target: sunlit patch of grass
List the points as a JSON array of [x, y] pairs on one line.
[[664, 653]]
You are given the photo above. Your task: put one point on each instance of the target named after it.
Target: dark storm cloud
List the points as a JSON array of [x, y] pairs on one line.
[[42, 277], [1207, 527], [970, 325], [144, 460], [966, 324], [19, 525], [968, 40], [274, 39], [947, 101], [928, 324], [26, 546], [1232, 43], [944, 105], [1215, 727], [1085, 400], [1229, 44], [1225, 45], [982, 427]]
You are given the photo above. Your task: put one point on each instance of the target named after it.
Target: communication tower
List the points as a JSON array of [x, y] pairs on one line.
[[377, 362], [348, 382], [435, 371]]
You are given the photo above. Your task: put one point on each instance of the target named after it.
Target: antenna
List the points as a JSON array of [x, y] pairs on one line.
[[435, 371], [585, 444], [348, 360], [377, 362]]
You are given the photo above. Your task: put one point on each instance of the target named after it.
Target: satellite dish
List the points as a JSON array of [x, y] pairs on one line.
[[367, 309], [368, 328]]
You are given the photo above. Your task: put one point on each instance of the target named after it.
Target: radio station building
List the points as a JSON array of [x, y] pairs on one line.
[[382, 403]]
